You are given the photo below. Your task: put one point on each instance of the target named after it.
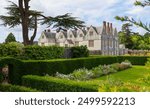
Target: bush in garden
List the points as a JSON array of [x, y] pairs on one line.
[[80, 51], [82, 74], [12, 49], [148, 62], [145, 79], [85, 74], [36, 52], [97, 71], [115, 66], [112, 85]]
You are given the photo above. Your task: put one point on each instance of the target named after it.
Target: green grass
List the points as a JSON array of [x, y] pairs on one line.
[[130, 75]]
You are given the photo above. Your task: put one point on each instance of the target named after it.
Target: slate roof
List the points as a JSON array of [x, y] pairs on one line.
[[50, 35], [70, 41]]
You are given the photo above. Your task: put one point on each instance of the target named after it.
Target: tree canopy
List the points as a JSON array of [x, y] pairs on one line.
[[21, 14]]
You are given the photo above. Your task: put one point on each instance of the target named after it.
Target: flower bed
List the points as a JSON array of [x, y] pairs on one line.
[[85, 74]]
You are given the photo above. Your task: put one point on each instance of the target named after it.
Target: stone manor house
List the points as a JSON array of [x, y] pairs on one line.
[[103, 39]]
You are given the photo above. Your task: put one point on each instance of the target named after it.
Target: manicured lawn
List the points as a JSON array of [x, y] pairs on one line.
[[131, 75]]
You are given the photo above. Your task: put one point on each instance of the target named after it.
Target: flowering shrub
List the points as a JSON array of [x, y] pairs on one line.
[[85, 74]]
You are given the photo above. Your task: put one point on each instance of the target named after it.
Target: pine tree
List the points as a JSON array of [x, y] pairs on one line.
[[10, 38], [21, 14]]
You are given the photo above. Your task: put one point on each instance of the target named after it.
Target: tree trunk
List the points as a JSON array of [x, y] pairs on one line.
[[24, 8], [35, 31]]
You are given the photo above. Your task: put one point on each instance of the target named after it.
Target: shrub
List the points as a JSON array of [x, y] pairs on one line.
[[13, 88], [145, 79], [51, 84], [80, 51], [36, 52], [97, 71], [12, 49], [111, 85], [82, 74], [85, 74], [148, 62]]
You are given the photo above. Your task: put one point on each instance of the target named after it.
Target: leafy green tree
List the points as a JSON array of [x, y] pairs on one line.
[[131, 20], [135, 39], [10, 38], [125, 35], [21, 14]]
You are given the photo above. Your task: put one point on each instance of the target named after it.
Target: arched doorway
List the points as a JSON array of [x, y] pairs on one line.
[[4, 70]]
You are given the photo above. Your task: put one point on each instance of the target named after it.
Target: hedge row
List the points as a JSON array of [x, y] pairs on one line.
[[51, 84], [13, 88], [64, 66], [19, 68], [34, 52]]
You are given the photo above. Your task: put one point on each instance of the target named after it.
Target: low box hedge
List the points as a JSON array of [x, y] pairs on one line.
[[14, 88], [52, 84]]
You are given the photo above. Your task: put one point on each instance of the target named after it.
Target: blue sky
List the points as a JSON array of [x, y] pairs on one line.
[[93, 12]]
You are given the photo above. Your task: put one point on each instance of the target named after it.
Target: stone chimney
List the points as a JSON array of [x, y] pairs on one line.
[[48, 30], [104, 26], [108, 28], [111, 28]]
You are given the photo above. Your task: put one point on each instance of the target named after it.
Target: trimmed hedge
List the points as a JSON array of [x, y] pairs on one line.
[[35, 52], [13, 88], [19, 68], [42, 52], [51, 84], [15, 69], [64, 66], [135, 60], [79, 51]]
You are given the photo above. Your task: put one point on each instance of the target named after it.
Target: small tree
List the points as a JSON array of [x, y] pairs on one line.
[[10, 38]]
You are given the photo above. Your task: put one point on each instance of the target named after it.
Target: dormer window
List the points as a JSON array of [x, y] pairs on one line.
[[43, 37], [91, 33], [70, 36]]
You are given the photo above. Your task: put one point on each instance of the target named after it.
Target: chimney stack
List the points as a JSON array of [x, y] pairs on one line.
[[104, 26], [111, 28], [49, 30], [108, 28]]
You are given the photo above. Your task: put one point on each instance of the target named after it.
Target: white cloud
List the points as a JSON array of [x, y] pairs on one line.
[[93, 12]]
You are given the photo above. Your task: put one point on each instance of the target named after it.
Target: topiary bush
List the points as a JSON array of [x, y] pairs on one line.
[[14, 88], [79, 51], [51, 84]]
